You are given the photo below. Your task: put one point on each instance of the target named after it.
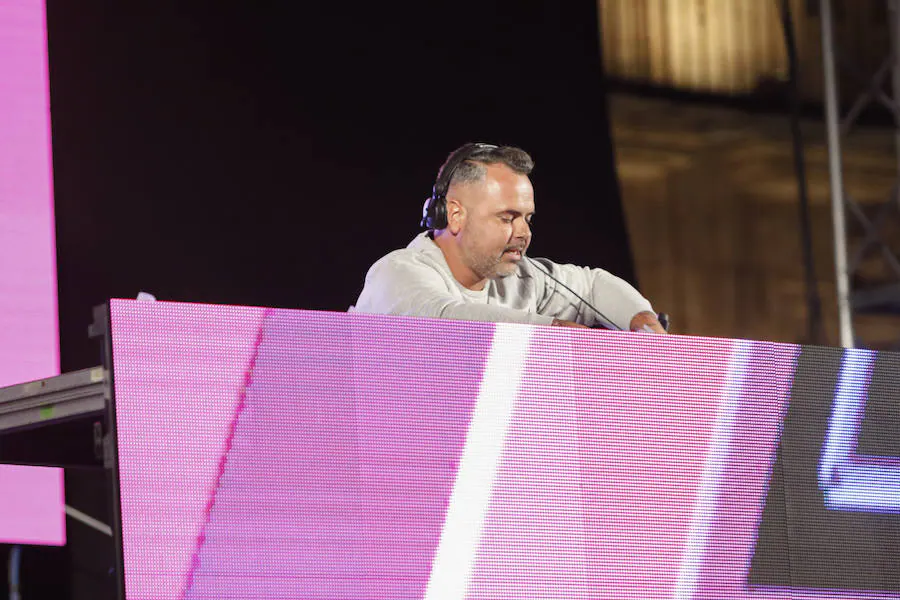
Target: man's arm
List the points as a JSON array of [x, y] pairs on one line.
[[621, 305], [413, 288]]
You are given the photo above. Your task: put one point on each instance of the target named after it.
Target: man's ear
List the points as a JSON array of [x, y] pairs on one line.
[[456, 215]]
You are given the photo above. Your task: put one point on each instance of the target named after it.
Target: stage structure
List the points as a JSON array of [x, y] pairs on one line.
[[867, 265]]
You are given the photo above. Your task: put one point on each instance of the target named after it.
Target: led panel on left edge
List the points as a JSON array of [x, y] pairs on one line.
[[29, 332]]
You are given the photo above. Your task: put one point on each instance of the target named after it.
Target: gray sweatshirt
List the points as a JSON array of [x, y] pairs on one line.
[[416, 281]]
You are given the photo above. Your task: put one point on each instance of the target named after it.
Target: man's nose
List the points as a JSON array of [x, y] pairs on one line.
[[522, 229]]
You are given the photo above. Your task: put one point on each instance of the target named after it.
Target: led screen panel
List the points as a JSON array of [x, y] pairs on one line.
[[29, 347], [270, 453], [32, 505]]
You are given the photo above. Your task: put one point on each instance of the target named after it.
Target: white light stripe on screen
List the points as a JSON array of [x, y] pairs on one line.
[[705, 508], [846, 412], [471, 495]]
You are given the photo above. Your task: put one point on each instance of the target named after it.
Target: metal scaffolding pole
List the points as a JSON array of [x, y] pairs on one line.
[[835, 168], [856, 295]]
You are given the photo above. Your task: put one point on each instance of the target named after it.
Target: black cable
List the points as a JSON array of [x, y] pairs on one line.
[[814, 331], [574, 293]]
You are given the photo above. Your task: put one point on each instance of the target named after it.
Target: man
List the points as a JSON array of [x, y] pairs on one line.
[[471, 263]]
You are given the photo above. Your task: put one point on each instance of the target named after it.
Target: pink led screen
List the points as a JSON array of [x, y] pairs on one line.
[[270, 453], [28, 320], [32, 505]]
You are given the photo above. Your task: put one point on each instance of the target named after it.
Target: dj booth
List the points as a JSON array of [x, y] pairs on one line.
[[270, 453]]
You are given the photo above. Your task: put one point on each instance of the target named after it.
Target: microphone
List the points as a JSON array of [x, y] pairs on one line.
[[663, 317], [573, 292]]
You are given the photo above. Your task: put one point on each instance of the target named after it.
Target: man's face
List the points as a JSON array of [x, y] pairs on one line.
[[494, 229]]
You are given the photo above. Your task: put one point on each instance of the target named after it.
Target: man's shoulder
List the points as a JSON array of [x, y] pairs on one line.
[[400, 256], [407, 255], [417, 254]]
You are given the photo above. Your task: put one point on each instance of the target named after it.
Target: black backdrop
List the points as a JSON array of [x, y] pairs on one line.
[[267, 153]]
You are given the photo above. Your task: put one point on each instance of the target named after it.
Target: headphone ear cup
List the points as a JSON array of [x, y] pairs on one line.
[[439, 214], [434, 213]]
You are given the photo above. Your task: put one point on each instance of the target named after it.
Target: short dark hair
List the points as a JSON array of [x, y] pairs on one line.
[[472, 169]]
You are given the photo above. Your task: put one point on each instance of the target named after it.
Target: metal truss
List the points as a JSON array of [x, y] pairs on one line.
[[868, 240]]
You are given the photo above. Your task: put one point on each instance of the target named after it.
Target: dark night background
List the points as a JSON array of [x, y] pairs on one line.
[[267, 153]]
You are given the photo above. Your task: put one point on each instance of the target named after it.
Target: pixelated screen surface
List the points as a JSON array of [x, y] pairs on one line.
[[271, 453], [29, 347], [32, 505]]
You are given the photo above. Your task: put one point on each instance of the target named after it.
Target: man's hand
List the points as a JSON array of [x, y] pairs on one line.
[[646, 322], [564, 323]]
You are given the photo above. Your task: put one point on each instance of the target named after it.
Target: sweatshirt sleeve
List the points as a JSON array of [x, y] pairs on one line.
[[618, 300], [412, 288]]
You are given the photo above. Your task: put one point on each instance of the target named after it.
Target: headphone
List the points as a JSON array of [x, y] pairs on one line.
[[434, 211]]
